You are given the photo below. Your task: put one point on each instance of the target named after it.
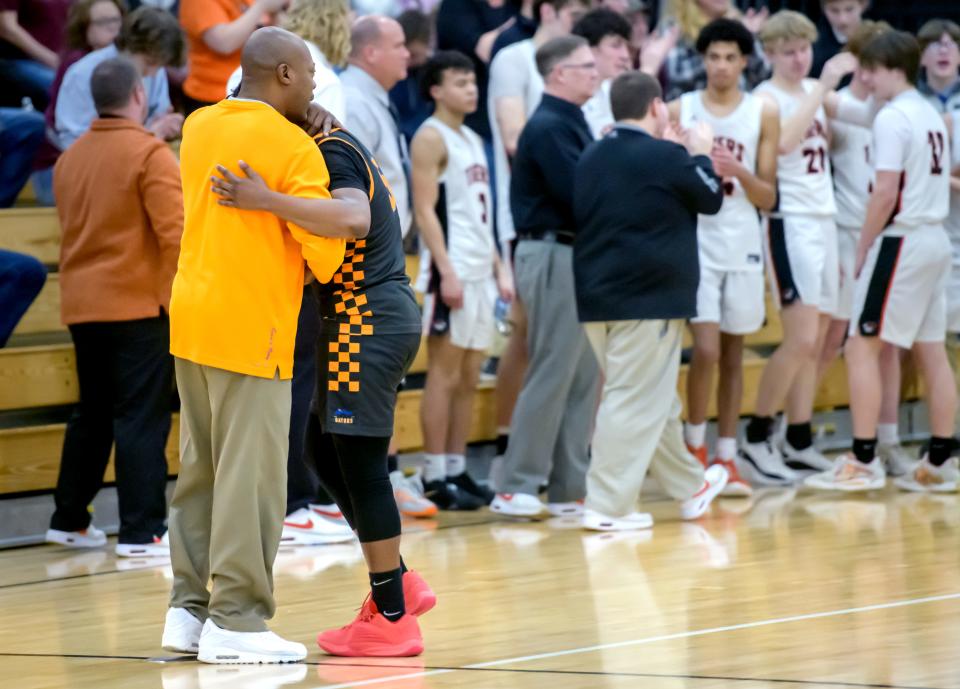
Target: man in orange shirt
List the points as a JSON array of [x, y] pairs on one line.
[[233, 319], [216, 31], [121, 216]]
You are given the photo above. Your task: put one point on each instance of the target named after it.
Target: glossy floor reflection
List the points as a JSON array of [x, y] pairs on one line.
[[784, 590]]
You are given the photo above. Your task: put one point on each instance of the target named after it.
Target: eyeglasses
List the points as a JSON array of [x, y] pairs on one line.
[[107, 21], [579, 65], [946, 43]]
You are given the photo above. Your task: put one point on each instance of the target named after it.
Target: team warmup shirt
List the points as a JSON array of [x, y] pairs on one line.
[[731, 240], [803, 175]]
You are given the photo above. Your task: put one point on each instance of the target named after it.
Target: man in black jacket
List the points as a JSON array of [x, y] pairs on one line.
[[637, 194]]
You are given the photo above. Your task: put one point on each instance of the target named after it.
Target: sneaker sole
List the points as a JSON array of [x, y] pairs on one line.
[[536, 516], [760, 477], [232, 657], [917, 488], [315, 539], [419, 514], [71, 542], [136, 551], [404, 650], [423, 603], [846, 489]]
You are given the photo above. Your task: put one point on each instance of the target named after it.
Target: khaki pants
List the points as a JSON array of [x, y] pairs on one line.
[[230, 500], [638, 424]]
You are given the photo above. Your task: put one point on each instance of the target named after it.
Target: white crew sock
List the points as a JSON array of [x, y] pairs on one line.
[[726, 448], [434, 467], [456, 465], [888, 434], [695, 434]]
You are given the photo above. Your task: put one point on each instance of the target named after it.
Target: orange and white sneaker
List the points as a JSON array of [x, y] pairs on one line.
[[737, 486], [700, 453], [373, 635], [91, 537], [329, 512], [418, 597], [850, 475], [929, 478], [304, 527], [408, 492]]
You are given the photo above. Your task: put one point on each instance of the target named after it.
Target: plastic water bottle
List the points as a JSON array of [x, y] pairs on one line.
[[501, 313]]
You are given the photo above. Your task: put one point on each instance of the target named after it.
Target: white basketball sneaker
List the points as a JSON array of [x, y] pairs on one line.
[[929, 478], [159, 547], [849, 475], [806, 461], [714, 479], [305, 527], [596, 521], [519, 505], [181, 631], [565, 509], [91, 537], [896, 459], [763, 465], [222, 646]]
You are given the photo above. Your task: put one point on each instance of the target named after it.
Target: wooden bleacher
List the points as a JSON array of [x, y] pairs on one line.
[[37, 372]]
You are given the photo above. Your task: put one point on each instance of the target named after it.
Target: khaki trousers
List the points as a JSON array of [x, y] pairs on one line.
[[638, 424], [230, 499]]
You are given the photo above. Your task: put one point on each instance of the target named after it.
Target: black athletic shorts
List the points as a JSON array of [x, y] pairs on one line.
[[358, 378]]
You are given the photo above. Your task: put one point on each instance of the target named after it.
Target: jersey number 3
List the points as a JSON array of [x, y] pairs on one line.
[[935, 139]]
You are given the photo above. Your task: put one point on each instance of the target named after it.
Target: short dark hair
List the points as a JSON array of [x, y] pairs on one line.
[[416, 26], [155, 33], [554, 51], [601, 22], [934, 29], [440, 62], [78, 21], [113, 83], [556, 4], [631, 95], [893, 50], [725, 31]]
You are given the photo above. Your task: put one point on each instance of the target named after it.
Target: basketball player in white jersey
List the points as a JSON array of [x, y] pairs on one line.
[[730, 299], [515, 89], [902, 268], [453, 207], [801, 248], [851, 155]]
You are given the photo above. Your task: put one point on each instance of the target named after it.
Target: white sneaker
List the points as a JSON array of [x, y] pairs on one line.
[[329, 512], [714, 479], [927, 478], [565, 509], [848, 474], [806, 461], [896, 459], [159, 548], [596, 521], [91, 537], [226, 647], [519, 505], [181, 631], [408, 492], [303, 527], [762, 464]]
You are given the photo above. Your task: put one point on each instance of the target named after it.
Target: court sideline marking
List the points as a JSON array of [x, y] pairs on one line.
[[656, 639]]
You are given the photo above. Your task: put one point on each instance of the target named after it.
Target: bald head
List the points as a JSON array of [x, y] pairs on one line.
[[267, 49], [378, 47]]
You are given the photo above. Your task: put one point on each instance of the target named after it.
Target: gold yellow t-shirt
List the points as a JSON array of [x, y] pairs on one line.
[[239, 280]]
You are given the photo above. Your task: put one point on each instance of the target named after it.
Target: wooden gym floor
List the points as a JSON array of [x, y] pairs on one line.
[[786, 590]]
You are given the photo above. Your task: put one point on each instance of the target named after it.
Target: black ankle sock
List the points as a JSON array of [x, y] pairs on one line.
[[392, 463], [800, 435], [758, 430], [502, 441], [864, 449], [403, 566], [939, 451], [387, 591]]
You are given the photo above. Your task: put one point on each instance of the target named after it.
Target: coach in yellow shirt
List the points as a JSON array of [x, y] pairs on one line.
[[233, 320]]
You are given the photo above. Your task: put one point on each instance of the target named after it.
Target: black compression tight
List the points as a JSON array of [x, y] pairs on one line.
[[353, 469]]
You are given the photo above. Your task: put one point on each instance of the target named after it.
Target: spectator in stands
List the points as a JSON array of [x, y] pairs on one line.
[[216, 31], [121, 216], [21, 279], [324, 25], [842, 19], [31, 37], [608, 34], [523, 27], [21, 135], [152, 39], [472, 27], [940, 76], [412, 107], [378, 61], [91, 25], [684, 65]]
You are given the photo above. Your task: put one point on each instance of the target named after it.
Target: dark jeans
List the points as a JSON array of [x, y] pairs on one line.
[[21, 279], [303, 486], [23, 78], [21, 134], [126, 383]]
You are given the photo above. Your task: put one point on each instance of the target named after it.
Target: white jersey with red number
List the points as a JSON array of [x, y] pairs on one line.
[[910, 138], [851, 156], [803, 175], [464, 205], [731, 239]]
